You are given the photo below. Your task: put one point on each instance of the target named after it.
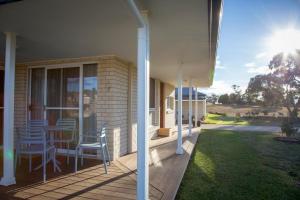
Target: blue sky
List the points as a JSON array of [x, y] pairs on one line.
[[244, 50]]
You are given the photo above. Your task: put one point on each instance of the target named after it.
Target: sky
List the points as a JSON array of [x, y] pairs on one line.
[[251, 32]]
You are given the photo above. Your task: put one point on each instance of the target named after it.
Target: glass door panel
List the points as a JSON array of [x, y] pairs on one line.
[[89, 97], [70, 87], [54, 88], [63, 96], [37, 85]]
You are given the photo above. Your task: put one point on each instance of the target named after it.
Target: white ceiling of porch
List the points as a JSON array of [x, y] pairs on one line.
[[49, 29]]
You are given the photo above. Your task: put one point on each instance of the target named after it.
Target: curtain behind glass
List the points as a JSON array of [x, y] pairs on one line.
[[37, 93], [54, 88], [70, 89]]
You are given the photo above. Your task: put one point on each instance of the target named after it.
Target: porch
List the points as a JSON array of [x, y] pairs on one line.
[[91, 182]]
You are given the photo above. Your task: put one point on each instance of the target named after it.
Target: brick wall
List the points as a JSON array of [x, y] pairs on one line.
[[112, 104], [20, 96]]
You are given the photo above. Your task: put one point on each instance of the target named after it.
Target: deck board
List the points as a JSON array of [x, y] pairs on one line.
[[91, 183]]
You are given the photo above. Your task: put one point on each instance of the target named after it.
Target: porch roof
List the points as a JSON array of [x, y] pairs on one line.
[[182, 33]]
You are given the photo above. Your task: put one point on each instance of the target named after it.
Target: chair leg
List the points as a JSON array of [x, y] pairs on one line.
[[107, 152], [81, 157], [106, 148], [76, 159], [68, 153], [54, 160], [104, 160], [16, 160], [44, 166], [30, 164]]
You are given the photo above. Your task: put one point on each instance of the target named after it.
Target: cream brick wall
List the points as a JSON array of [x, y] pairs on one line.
[[132, 122], [112, 104], [169, 121], [20, 96]]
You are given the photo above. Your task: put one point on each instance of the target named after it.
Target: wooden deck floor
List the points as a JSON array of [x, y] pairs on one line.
[[166, 172]]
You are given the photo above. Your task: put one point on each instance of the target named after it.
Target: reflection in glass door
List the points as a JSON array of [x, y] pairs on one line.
[[89, 98]]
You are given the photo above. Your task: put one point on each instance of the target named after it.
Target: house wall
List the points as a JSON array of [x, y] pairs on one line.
[[112, 99], [169, 115], [112, 104], [132, 109], [116, 100], [21, 84], [185, 109]]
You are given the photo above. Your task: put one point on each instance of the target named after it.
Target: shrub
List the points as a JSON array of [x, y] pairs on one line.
[[265, 112], [288, 128]]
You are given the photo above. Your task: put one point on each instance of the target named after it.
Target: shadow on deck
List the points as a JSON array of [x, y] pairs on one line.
[[166, 172]]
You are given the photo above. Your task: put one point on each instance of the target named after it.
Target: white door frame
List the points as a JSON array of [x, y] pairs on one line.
[[2, 69], [2, 108]]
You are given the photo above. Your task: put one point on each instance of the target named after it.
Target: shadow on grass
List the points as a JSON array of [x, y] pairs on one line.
[[236, 165]]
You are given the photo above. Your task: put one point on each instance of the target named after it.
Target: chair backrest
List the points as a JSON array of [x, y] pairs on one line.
[[66, 124], [102, 135], [34, 126], [27, 136]]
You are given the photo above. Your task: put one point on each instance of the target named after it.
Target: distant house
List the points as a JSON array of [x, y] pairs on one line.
[[199, 102]]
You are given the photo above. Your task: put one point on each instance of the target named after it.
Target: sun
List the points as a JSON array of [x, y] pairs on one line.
[[283, 41]]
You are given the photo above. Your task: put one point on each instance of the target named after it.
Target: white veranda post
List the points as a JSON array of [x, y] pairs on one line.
[[204, 107], [190, 108], [8, 125], [196, 107], [179, 149], [143, 65], [143, 110]]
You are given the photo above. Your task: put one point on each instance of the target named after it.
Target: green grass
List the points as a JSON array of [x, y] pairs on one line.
[[224, 120], [241, 166]]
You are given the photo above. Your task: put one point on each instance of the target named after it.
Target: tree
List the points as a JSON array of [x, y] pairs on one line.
[[224, 99], [213, 98], [286, 74], [236, 96], [262, 89], [281, 85]]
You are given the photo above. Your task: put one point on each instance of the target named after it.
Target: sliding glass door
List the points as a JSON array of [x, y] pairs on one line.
[[65, 92]]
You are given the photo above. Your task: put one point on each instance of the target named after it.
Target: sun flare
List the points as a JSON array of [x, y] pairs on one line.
[[284, 41]]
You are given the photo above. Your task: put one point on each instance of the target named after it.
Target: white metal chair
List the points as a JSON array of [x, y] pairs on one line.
[[34, 141], [68, 127], [33, 128], [99, 143]]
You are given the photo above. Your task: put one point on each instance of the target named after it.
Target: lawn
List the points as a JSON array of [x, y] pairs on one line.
[[224, 120], [230, 120], [241, 166]]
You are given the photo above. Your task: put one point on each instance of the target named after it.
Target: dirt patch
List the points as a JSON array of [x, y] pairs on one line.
[[288, 140]]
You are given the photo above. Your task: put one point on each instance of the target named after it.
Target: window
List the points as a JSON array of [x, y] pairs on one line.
[[152, 93], [170, 103]]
